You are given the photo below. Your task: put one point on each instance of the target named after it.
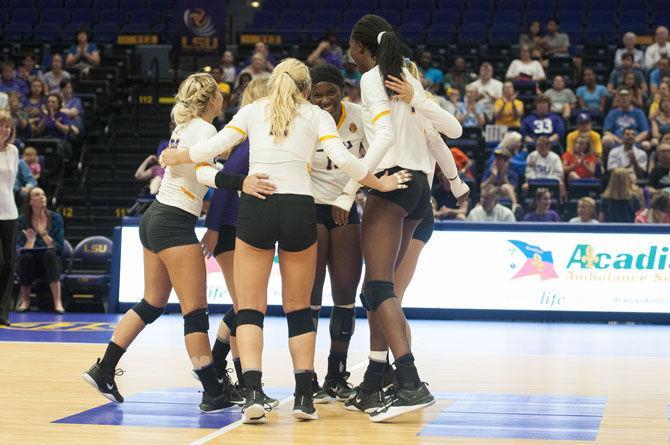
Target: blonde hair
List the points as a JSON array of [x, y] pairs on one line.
[[620, 186], [193, 97], [287, 82], [30, 149], [590, 204], [256, 89], [6, 118], [414, 71], [510, 139], [584, 138]]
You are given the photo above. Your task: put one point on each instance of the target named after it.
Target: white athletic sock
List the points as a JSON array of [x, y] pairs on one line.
[[379, 356]]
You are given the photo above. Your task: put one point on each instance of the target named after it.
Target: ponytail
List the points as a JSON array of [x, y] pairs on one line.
[[377, 35], [287, 82]]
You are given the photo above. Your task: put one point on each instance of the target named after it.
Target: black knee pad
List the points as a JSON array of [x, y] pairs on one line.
[[315, 315], [342, 323], [375, 293], [196, 321], [300, 322], [229, 320], [147, 312], [249, 316]]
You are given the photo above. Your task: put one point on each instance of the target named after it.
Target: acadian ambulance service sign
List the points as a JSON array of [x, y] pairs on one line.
[[506, 270]]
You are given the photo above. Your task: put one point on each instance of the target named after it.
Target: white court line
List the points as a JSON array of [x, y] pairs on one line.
[[237, 424]]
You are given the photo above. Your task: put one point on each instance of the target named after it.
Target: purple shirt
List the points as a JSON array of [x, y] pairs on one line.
[[50, 130], [536, 126], [548, 216], [13, 85], [224, 206]]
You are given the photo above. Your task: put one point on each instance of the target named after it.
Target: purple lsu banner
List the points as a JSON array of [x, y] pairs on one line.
[[201, 26]]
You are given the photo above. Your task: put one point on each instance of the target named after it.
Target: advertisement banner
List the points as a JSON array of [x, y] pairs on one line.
[[200, 26], [499, 270]]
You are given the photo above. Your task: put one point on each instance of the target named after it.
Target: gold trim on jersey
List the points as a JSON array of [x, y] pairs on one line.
[[203, 164], [380, 115], [187, 192], [238, 129], [328, 136], [343, 116]]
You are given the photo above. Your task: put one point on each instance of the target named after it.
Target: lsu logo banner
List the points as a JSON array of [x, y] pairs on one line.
[[201, 26]]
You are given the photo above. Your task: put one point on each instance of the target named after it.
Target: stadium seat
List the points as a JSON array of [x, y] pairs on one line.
[[472, 33], [442, 34], [391, 16], [504, 33], [570, 17], [418, 17], [264, 19], [47, 33], [114, 16], [87, 275], [55, 16], [105, 32], [16, 32], [399, 5], [474, 17], [29, 16], [552, 184], [84, 17], [325, 19], [146, 17], [104, 4], [512, 18], [51, 4], [413, 33], [77, 4], [584, 187], [131, 5], [446, 17], [367, 5]]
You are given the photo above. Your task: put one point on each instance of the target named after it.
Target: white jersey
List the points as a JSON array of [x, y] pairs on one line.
[[287, 162], [327, 178], [180, 186]]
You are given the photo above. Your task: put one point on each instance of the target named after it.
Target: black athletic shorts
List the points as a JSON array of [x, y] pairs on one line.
[[324, 215], [226, 242], [415, 199], [424, 230], [287, 219], [164, 226]]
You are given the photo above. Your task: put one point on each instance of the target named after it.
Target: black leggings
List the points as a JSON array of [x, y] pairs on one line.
[[44, 265], [7, 252]]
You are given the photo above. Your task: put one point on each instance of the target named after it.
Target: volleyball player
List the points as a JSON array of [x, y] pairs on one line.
[[283, 132], [338, 231], [172, 253], [219, 241], [396, 133]]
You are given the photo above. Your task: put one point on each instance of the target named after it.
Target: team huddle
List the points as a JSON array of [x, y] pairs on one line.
[[298, 154]]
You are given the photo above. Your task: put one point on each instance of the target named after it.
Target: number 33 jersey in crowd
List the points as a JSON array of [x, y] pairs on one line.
[[328, 181]]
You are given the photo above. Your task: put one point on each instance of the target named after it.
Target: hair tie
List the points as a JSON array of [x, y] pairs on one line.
[[183, 102], [379, 37]]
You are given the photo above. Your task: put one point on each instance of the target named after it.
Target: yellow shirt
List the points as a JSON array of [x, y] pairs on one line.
[[507, 117], [596, 144]]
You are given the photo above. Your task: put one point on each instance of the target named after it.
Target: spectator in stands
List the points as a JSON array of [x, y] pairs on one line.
[[533, 39], [659, 178], [586, 211], [581, 162], [459, 76], [82, 55], [447, 206], [352, 89], [328, 52], [349, 69], [228, 69], [463, 163], [257, 67], [584, 129], [30, 158], [525, 68], [470, 112], [660, 124], [660, 47], [72, 107], [19, 115], [662, 93], [24, 181], [545, 164], [4, 101], [9, 82], [658, 211], [500, 175], [41, 239], [555, 44], [627, 155], [562, 99], [28, 70], [489, 210], [617, 75], [540, 208], [630, 83], [657, 74], [488, 88], [620, 200], [508, 109], [518, 154], [54, 123], [543, 123], [622, 117], [34, 102], [430, 72], [629, 40], [54, 77], [453, 100], [592, 96], [264, 49], [150, 171]]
